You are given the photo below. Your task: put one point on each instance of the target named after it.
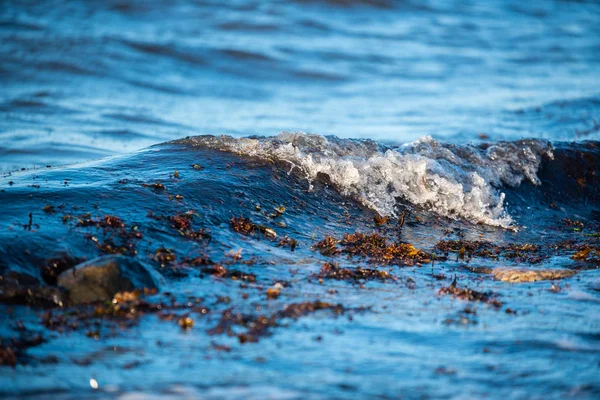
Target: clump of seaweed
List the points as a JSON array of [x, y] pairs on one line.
[[183, 224], [379, 220], [23, 289], [574, 224], [468, 248], [125, 310], [258, 326], [108, 221], [13, 350], [587, 253], [527, 252], [157, 187], [333, 271], [377, 250], [327, 247], [164, 256], [246, 227], [287, 241], [374, 247], [220, 271], [109, 246], [469, 294]]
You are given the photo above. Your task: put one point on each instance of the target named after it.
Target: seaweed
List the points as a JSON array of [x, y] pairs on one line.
[[220, 271], [13, 351], [379, 220], [125, 310], [470, 249], [287, 241], [183, 223], [587, 253], [377, 250], [246, 227], [157, 187], [327, 247], [374, 247], [258, 326], [333, 271], [108, 221], [21, 289], [469, 294], [164, 256]]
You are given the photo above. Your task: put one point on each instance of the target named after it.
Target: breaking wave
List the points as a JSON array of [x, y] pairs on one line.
[[456, 181]]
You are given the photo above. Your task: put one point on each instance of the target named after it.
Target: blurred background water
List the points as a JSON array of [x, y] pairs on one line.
[[84, 79]]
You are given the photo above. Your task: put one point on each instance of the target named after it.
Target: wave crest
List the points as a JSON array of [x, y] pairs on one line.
[[456, 181]]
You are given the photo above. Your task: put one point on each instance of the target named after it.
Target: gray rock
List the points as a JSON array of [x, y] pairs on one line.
[[103, 277]]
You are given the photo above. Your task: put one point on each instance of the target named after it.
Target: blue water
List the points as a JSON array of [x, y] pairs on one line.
[[83, 80], [100, 97]]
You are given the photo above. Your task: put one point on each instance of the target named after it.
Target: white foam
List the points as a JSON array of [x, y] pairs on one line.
[[460, 182]]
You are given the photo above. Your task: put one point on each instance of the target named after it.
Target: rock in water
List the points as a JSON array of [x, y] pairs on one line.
[[103, 277], [522, 275]]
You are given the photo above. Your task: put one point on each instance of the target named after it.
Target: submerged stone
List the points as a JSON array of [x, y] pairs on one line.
[[101, 278], [522, 275]]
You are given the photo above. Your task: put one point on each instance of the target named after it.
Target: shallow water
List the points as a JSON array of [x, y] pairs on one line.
[[472, 123], [395, 337]]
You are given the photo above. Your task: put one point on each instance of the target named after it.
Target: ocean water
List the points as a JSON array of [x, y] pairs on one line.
[[147, 129], [82, 80]]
